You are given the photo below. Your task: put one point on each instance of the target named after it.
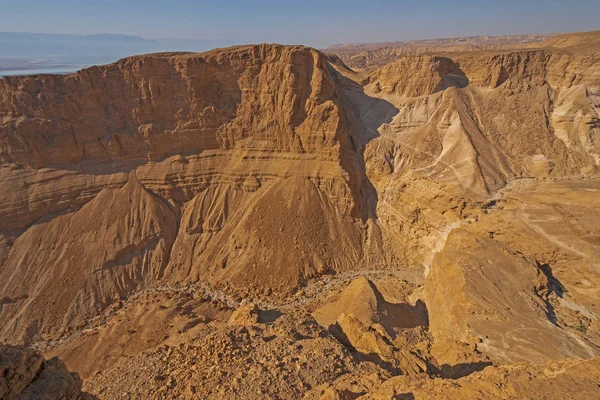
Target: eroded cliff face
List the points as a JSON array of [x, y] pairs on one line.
[[427, 75], [178, 167], [260, 99], [453, 129], [155, 105], [520, 113], [145, 201]]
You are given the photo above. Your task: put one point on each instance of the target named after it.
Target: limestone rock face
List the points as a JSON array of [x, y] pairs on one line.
[[156, 105], [258, 99], [26, 375], [528, 68], [414, 76], [575, 119], [484, 274], [516, 106], [244, 315], [373, 342], [359, 299]]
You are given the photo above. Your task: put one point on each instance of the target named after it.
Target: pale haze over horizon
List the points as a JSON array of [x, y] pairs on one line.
[[313, 23]]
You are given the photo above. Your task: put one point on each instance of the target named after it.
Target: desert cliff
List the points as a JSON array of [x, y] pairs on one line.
[[271, 221]]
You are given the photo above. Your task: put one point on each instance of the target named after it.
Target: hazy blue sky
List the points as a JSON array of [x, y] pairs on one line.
[[310, 22]]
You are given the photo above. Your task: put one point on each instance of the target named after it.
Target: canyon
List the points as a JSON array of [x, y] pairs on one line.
[[264, 221]]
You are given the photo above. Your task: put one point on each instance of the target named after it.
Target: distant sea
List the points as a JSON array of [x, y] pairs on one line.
[[63, 70]]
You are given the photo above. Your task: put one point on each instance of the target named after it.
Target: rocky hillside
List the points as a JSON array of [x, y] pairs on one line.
[[266, 222], [26, 375]]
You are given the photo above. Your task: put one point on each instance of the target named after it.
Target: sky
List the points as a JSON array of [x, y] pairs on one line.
[[310, 22]]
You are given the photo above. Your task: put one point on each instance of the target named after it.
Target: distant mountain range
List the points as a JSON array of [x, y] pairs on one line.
[[480, 41], [24, 51]]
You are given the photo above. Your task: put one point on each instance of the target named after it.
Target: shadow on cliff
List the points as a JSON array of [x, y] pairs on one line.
[[454, 77], [555, 286], [403, 315], [364, 115], [370, 113], [461, 370]]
